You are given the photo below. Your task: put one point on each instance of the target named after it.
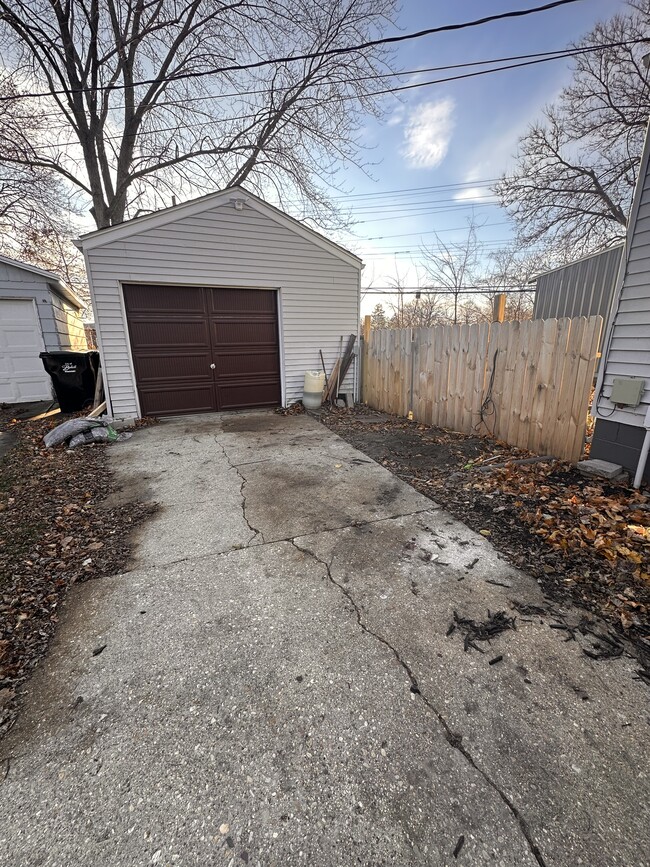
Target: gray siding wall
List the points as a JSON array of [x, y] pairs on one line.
[[16, 283], [583, 288], [620, 444], [319, 292], [68, 324], [629, 348]]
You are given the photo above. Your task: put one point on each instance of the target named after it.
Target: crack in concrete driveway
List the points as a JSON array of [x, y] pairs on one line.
[[277, 687], [454, 739]]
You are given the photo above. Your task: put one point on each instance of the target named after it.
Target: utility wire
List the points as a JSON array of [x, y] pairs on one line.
[[477, 290], [313, 55], [253, 116], [555, 54]]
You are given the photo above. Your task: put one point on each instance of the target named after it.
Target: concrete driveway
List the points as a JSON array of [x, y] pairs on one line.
[[276, 686]]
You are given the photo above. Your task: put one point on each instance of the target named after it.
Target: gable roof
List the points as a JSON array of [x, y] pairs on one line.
[[49, 277], [196, 206]]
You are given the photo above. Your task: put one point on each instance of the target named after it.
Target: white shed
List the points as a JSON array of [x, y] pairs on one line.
[[218, 303], [37, 312], [622, 401]]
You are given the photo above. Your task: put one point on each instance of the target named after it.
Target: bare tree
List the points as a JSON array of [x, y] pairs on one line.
[[452, 266], [423, 311], [511, 269], [35, 207], [32, 198], [138, 114], [576, 169], [53, 250]]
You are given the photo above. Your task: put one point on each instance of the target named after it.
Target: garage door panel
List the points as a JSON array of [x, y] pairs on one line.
[[237, 395], [164, 299], [262, 363], [176, 400], [167, 335], [174, 366], [246, 301], [244, 333]]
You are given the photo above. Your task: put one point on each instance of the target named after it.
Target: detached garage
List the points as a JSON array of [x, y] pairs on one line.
[[37, 312], [220, 303]]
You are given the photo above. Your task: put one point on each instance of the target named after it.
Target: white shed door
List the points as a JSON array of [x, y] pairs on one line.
[[22, 376]]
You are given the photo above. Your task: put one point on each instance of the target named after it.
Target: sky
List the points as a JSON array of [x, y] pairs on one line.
[[456, 133]]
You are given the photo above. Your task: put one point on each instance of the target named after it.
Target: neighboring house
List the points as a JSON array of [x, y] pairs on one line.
[[37, 312], [582, 288], [622, 398], [218, 303]]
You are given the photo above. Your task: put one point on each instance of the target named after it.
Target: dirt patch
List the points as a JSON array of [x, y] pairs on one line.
[[258, 422], [586, 542], [56, 529]]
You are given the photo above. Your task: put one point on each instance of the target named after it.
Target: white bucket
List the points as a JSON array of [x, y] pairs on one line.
[[313, 391]]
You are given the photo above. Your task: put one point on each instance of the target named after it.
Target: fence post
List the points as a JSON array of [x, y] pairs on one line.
[[499, 307], [414, 344], [363, 358]]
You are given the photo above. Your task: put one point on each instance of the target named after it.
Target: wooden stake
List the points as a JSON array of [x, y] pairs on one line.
[[367, 321], [99, 388], [97, 411]]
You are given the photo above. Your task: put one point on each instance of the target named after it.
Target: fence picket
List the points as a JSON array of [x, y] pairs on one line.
[[542, 383]]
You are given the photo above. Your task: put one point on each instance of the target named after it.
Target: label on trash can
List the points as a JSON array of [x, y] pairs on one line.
[[68, 367]]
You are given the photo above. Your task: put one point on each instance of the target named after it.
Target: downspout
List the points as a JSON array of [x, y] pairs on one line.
[[645, 449]]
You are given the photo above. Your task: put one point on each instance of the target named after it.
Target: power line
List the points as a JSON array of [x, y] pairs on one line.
[[379, 208], [247, 117], [428, 232], [426, 213], [313, 55], [476, 290], [485, 182], [555, 54], [422, 251], [253, 116]]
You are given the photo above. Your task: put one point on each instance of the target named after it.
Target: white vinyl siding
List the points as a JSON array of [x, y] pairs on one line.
[[629, 345], [221, 246]]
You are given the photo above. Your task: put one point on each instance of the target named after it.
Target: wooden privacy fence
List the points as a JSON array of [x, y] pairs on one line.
[[527, 383]]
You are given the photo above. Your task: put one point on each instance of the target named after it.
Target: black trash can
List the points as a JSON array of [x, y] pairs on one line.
[[74, 376]]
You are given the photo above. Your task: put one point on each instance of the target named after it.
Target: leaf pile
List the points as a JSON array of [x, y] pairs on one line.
[[575, 513], [54, 531]]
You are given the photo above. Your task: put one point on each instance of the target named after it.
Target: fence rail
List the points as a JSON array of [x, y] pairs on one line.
[[527, 383]]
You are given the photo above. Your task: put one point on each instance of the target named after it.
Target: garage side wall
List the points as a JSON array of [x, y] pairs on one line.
[[318, 297], [69, 324]]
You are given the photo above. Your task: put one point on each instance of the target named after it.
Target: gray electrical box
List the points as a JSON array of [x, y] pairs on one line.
[[627, 391]]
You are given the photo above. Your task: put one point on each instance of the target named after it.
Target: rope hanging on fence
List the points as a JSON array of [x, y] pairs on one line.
[[488, 407]]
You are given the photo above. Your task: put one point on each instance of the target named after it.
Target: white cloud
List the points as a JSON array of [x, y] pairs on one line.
[[470, 194], [428, 133]]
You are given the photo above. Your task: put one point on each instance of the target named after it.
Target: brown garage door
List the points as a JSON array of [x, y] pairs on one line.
[[198, 349]]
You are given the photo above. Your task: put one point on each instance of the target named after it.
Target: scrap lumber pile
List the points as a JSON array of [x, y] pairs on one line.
[[339, 371]]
